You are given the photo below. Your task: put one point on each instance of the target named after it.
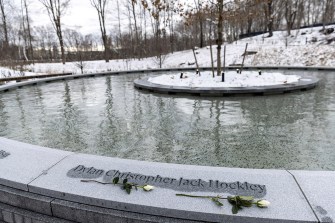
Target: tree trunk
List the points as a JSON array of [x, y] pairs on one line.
[[220, 37], [328, 13], [55, 10], [4, 22], [201, 32], [171, 27], [100, 6], [136, 47], [105, 42], [119, 23], [211, 48], [270, 18], [29, 32], [61, 41], [287, 17]]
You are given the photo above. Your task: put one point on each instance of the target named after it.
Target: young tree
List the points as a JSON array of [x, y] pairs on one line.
[[56, 9], [220, 36], [101, 8]]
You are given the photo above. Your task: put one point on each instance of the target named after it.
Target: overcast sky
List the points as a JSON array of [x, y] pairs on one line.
[[80, 16]]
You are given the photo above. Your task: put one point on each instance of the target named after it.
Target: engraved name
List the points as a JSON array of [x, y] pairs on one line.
[[178, 184]]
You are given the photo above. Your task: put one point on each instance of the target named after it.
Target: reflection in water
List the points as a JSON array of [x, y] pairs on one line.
[[46, 136], [3, 118], [27, 132], [67, 128], [108, 116], [109, 127]]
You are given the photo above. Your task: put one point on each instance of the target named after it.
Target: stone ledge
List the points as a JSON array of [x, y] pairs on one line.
[[25, 200], [319, 189], [162, 201], [60, 184], [11, 214], [21, 156], [86, 213]]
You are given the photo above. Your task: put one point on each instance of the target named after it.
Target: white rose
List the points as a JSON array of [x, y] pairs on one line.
[[263, 203], [148, 187]]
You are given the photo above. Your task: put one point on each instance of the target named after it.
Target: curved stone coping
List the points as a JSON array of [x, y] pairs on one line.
[[301, 85], [48, 181], [13, 86]]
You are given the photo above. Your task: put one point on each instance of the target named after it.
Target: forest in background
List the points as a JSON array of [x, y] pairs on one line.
[[153, 28]]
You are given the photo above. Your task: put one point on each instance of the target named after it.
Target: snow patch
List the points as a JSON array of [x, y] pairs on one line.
[[232, 79]]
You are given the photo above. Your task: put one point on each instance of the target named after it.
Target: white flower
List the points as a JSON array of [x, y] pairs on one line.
[[263, 203], [148, 187]]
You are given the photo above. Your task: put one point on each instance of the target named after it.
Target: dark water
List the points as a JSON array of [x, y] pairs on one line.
[[107, 116]]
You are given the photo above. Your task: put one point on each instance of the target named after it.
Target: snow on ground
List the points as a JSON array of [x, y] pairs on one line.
[[298, 49], [232, 79], [6, 72]]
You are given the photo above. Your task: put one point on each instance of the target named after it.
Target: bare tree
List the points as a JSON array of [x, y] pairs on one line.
[[136, 48], [75, 43], [200, 18], [4, 22], [26, 27], [56, 9], [328, 12], [170, 24], [294, 10], [119, 23], [270, 17], [101, 7], [130, 30], [46, 40]]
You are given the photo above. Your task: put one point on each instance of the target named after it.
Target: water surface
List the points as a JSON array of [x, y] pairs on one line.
[[107, 116]]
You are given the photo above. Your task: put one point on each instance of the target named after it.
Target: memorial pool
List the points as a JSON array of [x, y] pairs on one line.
[[108, 116]]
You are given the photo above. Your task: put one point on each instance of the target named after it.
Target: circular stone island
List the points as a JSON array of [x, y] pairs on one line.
[[232, 83]]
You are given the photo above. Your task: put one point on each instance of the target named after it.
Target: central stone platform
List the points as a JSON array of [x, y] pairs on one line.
[[302, 85]]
